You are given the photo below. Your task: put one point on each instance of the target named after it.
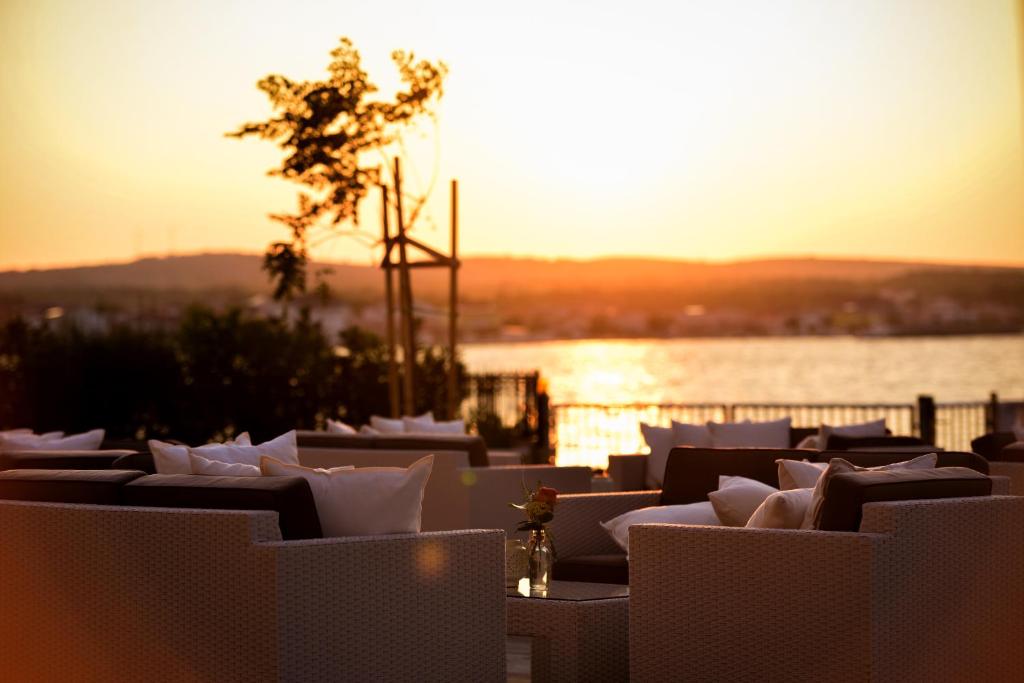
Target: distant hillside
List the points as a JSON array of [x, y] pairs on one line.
[[479, 278]]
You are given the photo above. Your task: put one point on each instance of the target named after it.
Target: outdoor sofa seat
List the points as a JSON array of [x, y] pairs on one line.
[[114, 592], [926, 590], [458, 496], [690, 474], [63, 460], [629, 472]]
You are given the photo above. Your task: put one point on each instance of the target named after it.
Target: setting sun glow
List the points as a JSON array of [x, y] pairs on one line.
[[696, 130]]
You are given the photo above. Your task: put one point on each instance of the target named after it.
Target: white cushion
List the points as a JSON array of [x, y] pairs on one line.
[[859, 430], [363, 501], [737, 498], [417, 426], [169, 458], [782, 510], [46, 436], [837, 465], [339, 427], [387, 425], [685, 434], [809, 442], [86, 441], [201, 465], [692, 513], [660, 440], [799, 474], [282, 448], [12, 432], [774, 434], [367, 430], [1018, 431]]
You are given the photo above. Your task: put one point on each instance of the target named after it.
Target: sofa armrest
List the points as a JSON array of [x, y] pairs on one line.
[[720, 603], [628, 471], [576, 528], [1000, 485], [1013, 472], [437, 600], [491, 489]]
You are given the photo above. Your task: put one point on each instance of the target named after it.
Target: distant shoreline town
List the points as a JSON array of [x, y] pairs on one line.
[[529, 300]]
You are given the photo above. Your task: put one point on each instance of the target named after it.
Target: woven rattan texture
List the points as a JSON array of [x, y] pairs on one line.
[[574, 640], [577, 529], [147, 594], [429, 607], [928, 591]]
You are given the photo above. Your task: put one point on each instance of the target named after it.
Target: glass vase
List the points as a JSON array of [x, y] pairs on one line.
[[541, 558]]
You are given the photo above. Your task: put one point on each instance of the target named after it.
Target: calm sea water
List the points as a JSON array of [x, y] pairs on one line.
[[774, 369]]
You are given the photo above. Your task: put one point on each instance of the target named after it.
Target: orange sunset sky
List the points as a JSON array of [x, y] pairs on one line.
[[698, 130]]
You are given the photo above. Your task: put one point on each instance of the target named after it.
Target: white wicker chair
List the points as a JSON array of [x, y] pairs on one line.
[[926, 591], [150, 594]]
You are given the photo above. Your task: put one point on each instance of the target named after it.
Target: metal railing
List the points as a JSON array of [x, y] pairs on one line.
[[585, 434]]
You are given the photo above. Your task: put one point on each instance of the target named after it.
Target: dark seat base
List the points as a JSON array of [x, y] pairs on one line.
[[593, 568]]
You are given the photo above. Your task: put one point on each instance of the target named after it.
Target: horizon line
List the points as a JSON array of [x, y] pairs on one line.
[[886, 260]]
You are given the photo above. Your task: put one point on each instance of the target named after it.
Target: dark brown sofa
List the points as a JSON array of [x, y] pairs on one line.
[[692, 473]]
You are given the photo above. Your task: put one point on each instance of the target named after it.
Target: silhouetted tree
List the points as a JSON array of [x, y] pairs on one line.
[[325, 127]]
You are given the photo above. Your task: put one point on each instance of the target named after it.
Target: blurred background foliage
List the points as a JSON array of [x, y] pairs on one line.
[[214, 375]]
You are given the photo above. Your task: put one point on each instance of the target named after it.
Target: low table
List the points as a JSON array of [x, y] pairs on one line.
[[580, 630]]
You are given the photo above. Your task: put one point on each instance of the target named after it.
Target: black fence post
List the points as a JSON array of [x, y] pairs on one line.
[[926, 419], [542, 447], [992, 414]]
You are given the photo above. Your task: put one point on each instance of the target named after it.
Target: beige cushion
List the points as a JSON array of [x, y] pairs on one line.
[[201, 465], [660, 441], [53, 441], [858, 430], [782, 510], [363, 501], [799, 474], [692, 513], [339, 427], [169, 458], [774, 434], [414, 425], [282, 448], [837, 465], [737, 498]]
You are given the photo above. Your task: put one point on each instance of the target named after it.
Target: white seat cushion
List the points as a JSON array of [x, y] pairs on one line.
[[774, 434], [737, 498], [692, 513], [363, 501], [782, 510]]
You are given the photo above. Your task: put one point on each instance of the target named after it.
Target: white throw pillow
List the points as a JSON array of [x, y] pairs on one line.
[[1018, 431], [367, 430], [417, 426], [24, 439], [774, 434], [660, 440], [685, 434], [339, 427], [692, 513], [856, 431], [169, 458], [782, 510], [86, 441], [363, 501], [799, 474], [282, 448], [737, 498], [201, 465], [837, 465], [809, 442], [387, 425]]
